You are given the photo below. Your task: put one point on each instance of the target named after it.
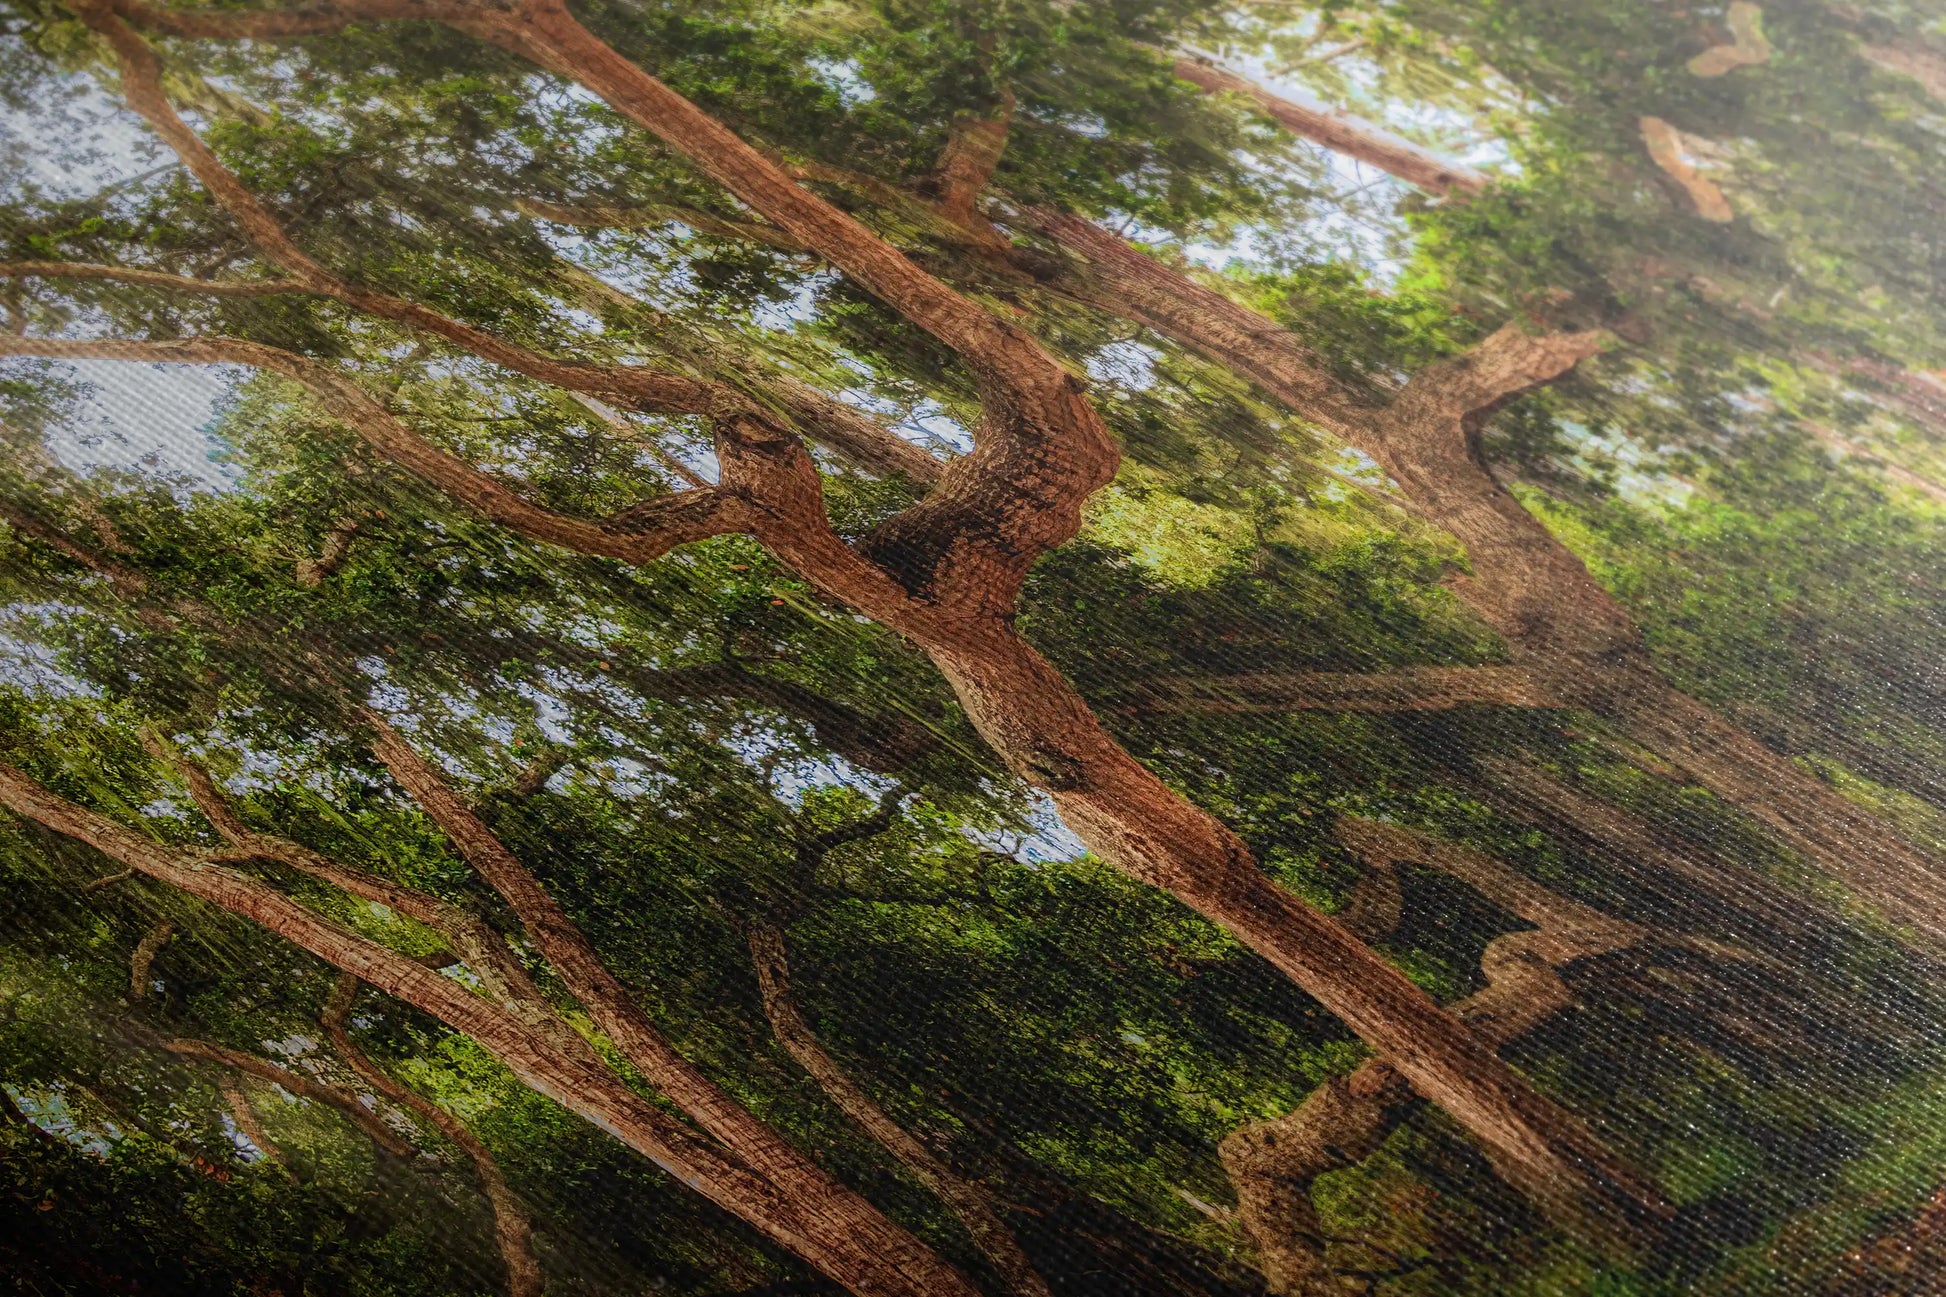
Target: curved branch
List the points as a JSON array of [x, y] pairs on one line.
[[1272, 1164], [143, 958], [1747, 46], [660, 526], [618, 1015], [967, 1201], [298, 1084], [512, 1229], [864, 1250], [1340, 132], [1665, 145], [141, 74]]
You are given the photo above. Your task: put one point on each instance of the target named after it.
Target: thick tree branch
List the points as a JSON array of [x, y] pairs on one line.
[[882, 1261], [1272, 1164], [974, 145], [1667, 149], [1340, 132], [512, 1229], [1747, 46]]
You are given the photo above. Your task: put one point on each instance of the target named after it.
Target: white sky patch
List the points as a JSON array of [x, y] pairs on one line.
[[1637, 474], [148, 418], [1050, 840], [842, 76], [1129, 365]]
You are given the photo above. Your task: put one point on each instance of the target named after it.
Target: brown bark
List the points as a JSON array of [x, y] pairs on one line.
[[616, 1012], [512, 1230], [880, 1260], [1747, 46], [246, 1121], [1341, 133], [1272, 1164], [968, 1202], [298, 1084], [143, 959], [1922, 65], [974, 146], [947, 572], [310, 572], [1134, 821], [1666, 149], [1560, 624]]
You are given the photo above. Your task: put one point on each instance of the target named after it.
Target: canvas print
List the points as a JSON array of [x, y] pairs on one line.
[[936, 648]]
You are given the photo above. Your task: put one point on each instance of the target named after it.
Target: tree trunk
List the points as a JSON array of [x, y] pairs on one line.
[[1035, 720], [975, 1211]]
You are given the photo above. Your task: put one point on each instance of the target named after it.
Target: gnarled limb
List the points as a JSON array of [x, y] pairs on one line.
[[1747, 47], [143, 958], [1340, 132], [947, 572], [968, 1202], [1667, 150], [974, 145], [1134, 821], [1409, 689], [882, 1261], [297, 1083], [512, 1229], [618, 1015], [1523, 582], [1272, 1164], [310, 572]]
